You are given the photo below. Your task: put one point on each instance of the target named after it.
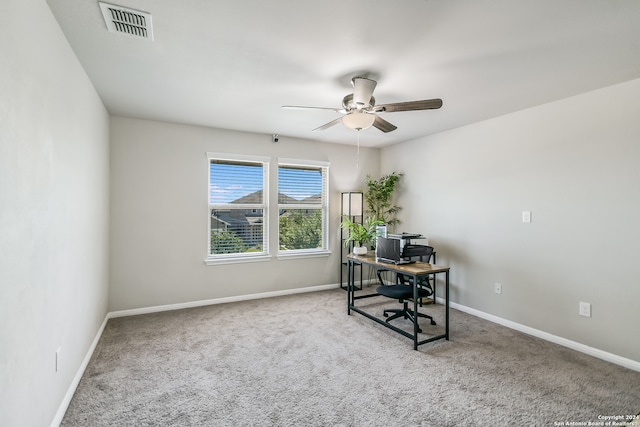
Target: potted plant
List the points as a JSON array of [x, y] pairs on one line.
[[379, 198], [360, 234]]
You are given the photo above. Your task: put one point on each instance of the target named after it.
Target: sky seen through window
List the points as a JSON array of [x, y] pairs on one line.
[[230, 182]]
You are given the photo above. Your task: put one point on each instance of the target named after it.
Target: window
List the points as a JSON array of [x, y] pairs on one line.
[[238, 206], [302, 206]]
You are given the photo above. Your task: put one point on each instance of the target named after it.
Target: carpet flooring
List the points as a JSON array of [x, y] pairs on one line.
[[300, 360]]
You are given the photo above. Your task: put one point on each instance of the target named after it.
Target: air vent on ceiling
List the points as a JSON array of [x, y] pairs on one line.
[[127, 21]]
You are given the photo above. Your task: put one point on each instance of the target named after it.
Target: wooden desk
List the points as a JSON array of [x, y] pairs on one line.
[[416, 270]]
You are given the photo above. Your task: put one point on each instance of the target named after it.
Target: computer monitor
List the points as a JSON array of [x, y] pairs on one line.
[[390, 250]]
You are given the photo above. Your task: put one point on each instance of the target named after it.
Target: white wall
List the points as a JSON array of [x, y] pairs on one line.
[[53, 214], [159, 213], [575, 165]]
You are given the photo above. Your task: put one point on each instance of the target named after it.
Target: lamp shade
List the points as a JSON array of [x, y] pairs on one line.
[[358, 120], [352, 203]]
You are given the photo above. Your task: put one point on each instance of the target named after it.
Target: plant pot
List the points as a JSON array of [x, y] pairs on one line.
[[359, 250]]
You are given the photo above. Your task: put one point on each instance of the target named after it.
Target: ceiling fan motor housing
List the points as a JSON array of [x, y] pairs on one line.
[[350, 105]]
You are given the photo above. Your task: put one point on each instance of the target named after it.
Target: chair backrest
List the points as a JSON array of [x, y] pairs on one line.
[[413, 251], [423, 282]]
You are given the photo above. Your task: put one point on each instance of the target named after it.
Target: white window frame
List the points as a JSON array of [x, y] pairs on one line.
[[214, 259], [324, 207]]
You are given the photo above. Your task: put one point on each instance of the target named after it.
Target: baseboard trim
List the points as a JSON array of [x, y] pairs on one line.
[[582, 348], [201, 303], [62, 409]]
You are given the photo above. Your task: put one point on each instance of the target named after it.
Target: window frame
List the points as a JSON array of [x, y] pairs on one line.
[[323, 207], [264, 255]]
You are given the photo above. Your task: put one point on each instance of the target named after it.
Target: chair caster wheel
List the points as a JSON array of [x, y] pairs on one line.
[[385, 314], [433, 322]]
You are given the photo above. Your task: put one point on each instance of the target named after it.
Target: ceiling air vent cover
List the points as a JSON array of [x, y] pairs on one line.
[[127, 21]]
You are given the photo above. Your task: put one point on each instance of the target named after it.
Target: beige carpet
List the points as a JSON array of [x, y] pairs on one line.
[[301, 361]]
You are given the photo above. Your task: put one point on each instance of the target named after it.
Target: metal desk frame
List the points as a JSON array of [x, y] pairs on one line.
[[415, 270]]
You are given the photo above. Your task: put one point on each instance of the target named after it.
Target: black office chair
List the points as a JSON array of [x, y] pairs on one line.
[[403, 292]]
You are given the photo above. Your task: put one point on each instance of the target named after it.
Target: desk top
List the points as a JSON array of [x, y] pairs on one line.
[[415, 268]]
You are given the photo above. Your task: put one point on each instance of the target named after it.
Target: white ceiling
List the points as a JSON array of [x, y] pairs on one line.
[[232, 64]]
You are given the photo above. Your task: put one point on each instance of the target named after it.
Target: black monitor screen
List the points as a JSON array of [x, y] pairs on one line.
[[388, 249]]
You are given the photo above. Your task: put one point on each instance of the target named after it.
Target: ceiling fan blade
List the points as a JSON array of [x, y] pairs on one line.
[[299, 107], [362, 91], [427, 104], [384, 125], [328, 125]]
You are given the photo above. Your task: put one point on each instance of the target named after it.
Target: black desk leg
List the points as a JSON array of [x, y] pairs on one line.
[[415, 312], [446, 301], [348, 286]]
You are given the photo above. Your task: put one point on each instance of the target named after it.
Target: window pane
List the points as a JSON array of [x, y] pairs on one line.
[[300, 229], [236, 231], [235, 182], [299, 185]]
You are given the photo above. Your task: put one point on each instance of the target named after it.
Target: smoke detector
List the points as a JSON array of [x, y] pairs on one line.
[[127, 21]]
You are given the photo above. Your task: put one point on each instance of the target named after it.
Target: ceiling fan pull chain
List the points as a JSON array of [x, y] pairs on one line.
[[358, 151]]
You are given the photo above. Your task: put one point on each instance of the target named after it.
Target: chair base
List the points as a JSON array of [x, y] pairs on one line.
[[406, 313]]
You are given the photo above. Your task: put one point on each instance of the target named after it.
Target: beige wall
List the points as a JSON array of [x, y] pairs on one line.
[[159, 187], [53, 214], [574, 165]]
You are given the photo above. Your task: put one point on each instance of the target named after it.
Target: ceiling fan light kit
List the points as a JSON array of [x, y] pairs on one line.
[[360, 109], [358, 120]]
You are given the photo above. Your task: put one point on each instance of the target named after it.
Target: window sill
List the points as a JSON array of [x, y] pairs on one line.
[[302, 254], [237, 260]]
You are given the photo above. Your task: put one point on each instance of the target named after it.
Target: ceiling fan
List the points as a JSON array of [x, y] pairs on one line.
[[359, 108]]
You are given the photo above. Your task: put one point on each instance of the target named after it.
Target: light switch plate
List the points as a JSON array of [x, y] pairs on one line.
[[526, 216]]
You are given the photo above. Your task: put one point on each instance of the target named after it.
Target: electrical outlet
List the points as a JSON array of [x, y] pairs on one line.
[[497, 287], [585, 309], [58, 358]]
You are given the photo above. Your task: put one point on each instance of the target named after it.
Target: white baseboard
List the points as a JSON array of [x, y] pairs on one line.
[[201, 303], [76, 380], [600, 354]]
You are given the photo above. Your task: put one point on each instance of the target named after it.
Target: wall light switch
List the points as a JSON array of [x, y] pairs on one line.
[[526, 216], [497, 287]]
